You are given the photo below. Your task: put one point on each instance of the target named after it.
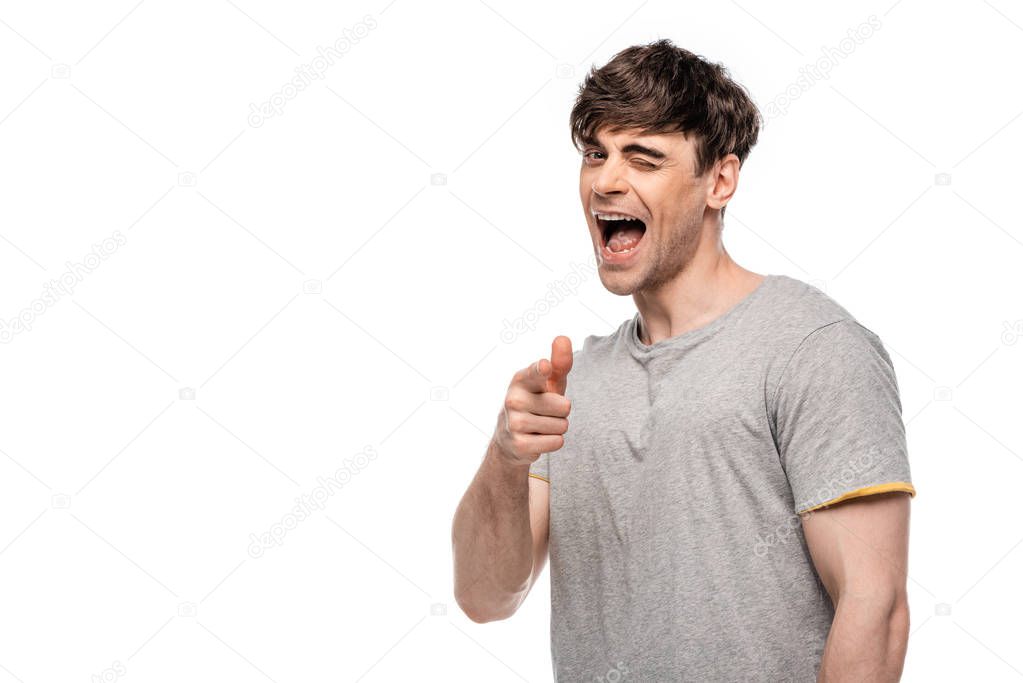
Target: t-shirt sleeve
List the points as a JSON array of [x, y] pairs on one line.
[[539, 468], [838, 418]]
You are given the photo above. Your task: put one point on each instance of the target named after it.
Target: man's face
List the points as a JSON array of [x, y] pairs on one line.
[[650, 178]]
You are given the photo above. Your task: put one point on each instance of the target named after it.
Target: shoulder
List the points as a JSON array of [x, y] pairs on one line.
[[810, 324], [800, 308], [597, 353], [596, 345]]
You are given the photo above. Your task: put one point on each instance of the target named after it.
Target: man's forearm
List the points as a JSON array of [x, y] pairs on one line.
[[867, 641], [492, 542]]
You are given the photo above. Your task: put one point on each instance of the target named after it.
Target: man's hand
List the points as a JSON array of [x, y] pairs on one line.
[[534, 417]]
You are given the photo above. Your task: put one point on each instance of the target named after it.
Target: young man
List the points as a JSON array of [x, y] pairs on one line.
[[729, 498]]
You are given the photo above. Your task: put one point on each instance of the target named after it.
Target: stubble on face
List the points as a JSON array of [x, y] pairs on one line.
[[670, 258]]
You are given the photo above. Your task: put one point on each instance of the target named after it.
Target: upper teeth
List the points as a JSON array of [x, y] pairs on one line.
[[614, 216]]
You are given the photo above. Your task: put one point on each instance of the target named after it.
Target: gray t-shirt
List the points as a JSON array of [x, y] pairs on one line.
[[676, 547]]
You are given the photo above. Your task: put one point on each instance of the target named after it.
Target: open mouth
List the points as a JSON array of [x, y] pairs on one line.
[[619, 233]]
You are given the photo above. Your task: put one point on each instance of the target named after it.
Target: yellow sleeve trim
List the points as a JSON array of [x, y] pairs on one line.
[[867, 491], [539, 477]]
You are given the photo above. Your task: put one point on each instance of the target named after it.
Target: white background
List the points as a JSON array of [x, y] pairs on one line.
[[127, 506]]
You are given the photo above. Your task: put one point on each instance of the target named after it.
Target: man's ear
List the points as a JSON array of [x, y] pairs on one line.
[[722, 181]]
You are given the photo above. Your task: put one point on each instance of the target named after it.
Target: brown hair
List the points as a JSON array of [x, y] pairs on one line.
[[662, 88]]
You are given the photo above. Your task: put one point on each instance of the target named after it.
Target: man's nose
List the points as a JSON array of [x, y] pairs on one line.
[[609, 181]]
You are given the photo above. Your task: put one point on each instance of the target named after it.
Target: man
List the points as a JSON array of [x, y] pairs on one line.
[[729, 499]]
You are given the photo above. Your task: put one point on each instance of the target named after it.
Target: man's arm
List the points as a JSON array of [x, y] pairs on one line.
[[499, 538], [499, 534], [861, 551]]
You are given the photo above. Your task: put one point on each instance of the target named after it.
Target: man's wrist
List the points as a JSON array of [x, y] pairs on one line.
[[504, 464]]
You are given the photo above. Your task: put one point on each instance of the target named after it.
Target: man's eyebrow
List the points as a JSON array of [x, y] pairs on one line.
[[631, 147], [648, 151]]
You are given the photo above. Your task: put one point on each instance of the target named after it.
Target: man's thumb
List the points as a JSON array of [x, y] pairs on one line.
[[561, 364]]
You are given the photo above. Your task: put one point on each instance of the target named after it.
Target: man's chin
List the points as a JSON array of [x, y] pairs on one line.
[[618, 282]]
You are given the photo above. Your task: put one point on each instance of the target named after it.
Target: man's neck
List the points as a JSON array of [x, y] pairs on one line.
[[706, 289]]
